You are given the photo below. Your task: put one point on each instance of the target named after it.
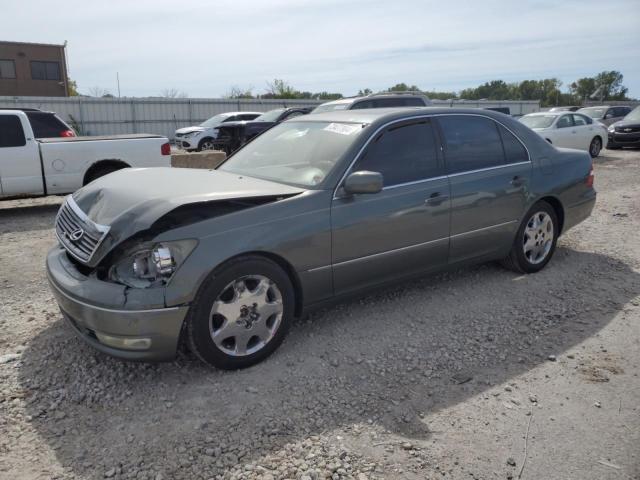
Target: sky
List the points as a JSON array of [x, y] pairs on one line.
[[203, 48]]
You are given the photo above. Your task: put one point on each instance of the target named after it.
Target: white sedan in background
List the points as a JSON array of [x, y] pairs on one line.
[[568, 129]]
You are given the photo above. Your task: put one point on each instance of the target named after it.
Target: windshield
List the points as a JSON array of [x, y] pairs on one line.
[[330, 107], [538, 121], [299, 153], [634, 115], [270, 116], [214, 121], [594, 112]]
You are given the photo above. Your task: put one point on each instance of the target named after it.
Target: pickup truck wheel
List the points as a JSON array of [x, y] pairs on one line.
[[206, 144], [595, 147], [101, 172], [535, 241], [241, 313]]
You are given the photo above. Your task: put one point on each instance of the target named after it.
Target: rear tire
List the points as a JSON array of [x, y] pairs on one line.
[[535, 241], [101, 172], [241, 314], [595, 147]]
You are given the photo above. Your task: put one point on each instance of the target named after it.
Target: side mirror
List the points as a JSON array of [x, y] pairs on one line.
[[363, 182]]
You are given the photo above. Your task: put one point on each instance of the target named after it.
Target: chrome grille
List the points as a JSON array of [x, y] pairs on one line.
[[625, 129], [77, 233]]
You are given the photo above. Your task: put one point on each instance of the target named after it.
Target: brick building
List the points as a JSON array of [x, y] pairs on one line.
[[33, 69]]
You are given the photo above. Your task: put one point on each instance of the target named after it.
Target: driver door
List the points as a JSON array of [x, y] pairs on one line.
[[403, 229]]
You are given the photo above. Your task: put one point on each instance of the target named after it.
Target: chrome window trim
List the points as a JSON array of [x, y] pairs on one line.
[[466, 172], [430, 116], [415, 182]]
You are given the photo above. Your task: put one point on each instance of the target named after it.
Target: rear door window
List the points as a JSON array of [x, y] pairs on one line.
[[403, 153], [471, 143], [11, 132], [388, 102], [579, 120], [363, 104], [565, 121], [414, 102]]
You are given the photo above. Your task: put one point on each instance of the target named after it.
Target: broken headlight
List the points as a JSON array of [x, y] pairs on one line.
[[150, 264]]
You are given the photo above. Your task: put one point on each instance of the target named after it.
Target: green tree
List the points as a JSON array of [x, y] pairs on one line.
[[72, 87], [280, 89], [403, 87], [364, 92], [611, 83]]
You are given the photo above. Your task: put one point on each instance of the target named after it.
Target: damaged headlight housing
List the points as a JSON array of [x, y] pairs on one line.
[[151, 264]]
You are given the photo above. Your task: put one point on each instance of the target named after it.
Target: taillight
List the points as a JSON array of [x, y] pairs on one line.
[[590, 177], [165, 149], [67, 133]]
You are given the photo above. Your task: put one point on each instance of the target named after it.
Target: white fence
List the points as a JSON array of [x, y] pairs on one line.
[[162, 116]]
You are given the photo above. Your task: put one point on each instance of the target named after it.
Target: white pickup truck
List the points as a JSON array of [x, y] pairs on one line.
[[52, 166]]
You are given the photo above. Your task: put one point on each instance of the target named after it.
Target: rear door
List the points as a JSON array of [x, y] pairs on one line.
[[566, 135], [20, 170], [490, 173], [403, 229], [584, 131]]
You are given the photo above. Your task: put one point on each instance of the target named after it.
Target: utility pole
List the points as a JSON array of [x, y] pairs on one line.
[[118, 80]]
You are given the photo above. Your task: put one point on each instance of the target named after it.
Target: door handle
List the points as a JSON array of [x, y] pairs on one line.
[[435, 199], [517, 181]]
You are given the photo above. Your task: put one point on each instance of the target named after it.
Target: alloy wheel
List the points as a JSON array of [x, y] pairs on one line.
[[207, 145], [538, 237], [595, 147], [246, 315]]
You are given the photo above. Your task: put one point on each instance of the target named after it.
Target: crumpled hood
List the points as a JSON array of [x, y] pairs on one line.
[[132, 199], [185, 130]]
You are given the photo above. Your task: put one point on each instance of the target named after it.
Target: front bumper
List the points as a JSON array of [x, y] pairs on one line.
[[624, 139], [132, 334]]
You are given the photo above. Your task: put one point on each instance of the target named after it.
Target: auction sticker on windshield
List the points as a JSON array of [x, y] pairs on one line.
[[343, 128]]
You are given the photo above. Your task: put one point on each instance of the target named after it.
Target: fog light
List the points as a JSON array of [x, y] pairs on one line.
[[124, 343]]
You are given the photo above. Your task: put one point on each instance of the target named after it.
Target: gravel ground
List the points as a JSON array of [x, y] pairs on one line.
[[477, 373]]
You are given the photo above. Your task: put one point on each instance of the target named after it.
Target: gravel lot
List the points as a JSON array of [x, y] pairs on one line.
[[477, 373]]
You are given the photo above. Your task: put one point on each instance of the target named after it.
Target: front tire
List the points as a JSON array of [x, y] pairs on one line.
[[206, 144], [535, 241], [595, 147], [241, 313]]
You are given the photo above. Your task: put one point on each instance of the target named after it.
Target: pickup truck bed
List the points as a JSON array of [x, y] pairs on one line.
[[53, 166]]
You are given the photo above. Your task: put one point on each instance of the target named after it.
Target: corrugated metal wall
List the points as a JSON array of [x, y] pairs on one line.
[[112, 116]]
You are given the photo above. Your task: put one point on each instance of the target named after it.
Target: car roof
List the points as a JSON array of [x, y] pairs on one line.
[[349, 100], [383, 115], [548, 113], [228, 114]]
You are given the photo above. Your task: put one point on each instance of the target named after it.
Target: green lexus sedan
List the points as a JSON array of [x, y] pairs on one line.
[[315, 209]]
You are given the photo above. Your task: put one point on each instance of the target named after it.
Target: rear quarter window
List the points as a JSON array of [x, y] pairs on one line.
[[514, 151], [11, 132]]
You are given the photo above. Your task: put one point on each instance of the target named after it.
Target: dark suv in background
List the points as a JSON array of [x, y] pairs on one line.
[[46, 124], [376, 100]]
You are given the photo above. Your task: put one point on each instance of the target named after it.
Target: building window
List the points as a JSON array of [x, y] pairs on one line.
[[7, 69], [45, 70]]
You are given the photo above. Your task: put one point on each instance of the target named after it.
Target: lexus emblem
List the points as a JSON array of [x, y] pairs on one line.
[[75, 235]]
